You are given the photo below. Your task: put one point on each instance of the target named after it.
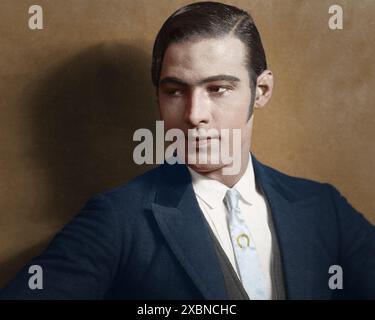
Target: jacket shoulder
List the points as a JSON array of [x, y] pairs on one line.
[[139, 189], [292, 187]]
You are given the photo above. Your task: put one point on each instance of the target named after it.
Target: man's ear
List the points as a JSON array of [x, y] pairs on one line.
[[264, 89]]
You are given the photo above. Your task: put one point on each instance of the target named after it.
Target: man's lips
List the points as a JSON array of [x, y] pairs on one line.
[[194, 137], [201, 141], [201, 138]]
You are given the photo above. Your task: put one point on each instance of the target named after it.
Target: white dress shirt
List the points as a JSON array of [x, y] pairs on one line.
[[210, 195]]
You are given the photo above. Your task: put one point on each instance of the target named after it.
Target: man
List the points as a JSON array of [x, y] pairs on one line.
[[193, 232]]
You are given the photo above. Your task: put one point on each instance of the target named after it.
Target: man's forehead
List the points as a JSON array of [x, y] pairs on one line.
[[202, 58]]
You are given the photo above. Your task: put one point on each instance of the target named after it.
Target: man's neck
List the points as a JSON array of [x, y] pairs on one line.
[[227, 179]]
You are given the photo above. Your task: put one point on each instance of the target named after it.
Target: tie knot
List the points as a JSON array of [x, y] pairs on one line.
[[231, 199]]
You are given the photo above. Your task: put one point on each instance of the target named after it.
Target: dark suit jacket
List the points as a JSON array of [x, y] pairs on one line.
[[148, 240]]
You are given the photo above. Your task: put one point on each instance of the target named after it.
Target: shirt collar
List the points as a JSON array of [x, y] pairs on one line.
[[212, 192]]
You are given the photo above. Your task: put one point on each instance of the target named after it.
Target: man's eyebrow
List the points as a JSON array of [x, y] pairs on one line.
[[173, 80], [220, 77]]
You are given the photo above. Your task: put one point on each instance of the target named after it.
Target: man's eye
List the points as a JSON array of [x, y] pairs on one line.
[[174, 92], [218, 89]]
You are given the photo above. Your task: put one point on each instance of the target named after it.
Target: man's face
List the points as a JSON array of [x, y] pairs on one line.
[[205, 84]]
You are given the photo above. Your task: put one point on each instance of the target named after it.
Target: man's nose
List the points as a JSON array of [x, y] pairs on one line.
[[197, 109]]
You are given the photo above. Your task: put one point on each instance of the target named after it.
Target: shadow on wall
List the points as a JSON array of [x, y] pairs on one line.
[[85, 112]]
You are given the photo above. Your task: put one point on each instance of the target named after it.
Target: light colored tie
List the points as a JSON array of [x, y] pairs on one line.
[[247, 259]]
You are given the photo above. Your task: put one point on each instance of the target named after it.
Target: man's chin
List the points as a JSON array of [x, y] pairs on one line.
[[205, 168]]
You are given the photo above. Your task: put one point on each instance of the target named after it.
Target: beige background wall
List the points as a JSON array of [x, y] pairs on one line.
[[72, 95]]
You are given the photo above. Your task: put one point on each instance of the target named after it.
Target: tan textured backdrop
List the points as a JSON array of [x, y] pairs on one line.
[[72, 95]]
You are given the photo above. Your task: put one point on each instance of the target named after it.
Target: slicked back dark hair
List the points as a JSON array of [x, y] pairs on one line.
[[210, 20]]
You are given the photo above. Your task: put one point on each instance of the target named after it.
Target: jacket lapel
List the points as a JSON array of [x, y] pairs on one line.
[[182, 223], [294, 223]]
